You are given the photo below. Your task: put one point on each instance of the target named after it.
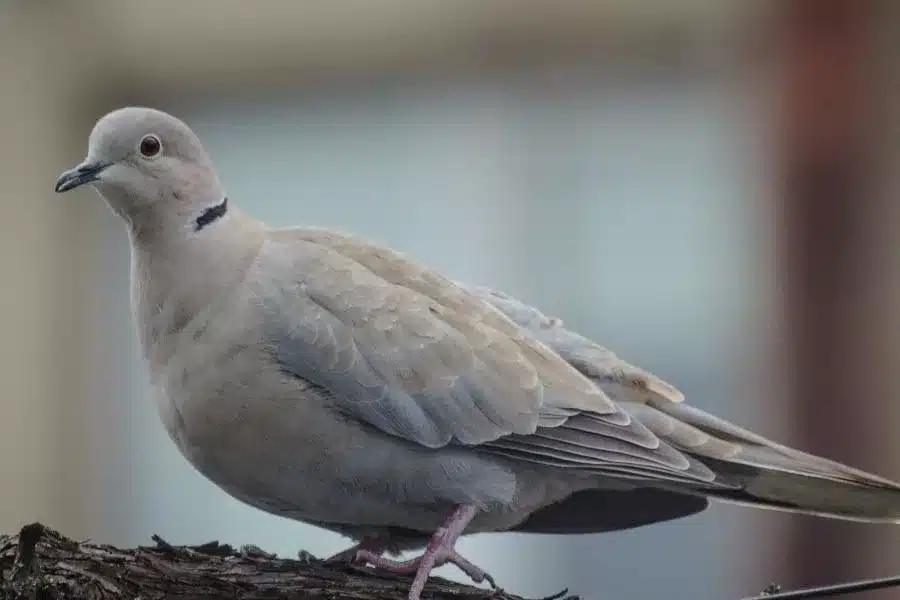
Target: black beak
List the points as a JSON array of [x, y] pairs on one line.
[[84, 173]]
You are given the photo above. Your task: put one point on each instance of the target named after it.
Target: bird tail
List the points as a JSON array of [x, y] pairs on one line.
[[761, 473], [811, 485]]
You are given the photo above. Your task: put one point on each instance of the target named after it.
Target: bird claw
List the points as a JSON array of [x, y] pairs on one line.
[[438, 559], [351, 555], [440, 551]]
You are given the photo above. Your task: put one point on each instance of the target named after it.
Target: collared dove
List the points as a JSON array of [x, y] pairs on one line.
[[321, 377]]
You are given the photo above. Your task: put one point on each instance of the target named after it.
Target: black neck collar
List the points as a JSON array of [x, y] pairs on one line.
[[211, 214]]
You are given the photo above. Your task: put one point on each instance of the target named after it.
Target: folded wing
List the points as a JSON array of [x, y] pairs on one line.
[[422, 358]]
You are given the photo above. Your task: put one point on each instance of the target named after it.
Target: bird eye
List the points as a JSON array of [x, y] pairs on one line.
[[150, 146]]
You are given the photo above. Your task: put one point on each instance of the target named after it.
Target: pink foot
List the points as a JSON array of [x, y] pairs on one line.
[[440, 551], [354, 555]]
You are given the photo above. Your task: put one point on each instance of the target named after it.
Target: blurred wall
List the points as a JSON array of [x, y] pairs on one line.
[[837, 111], [602, 159]]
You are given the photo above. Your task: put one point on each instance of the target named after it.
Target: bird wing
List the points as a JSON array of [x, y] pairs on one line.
[[423, 358]]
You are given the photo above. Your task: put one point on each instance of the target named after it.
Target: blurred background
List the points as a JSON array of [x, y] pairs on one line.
[[708, 188]]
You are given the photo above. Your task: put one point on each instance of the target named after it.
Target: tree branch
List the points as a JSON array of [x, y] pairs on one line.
[[41, 564]]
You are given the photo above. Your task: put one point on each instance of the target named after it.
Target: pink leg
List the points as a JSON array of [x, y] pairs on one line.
[[352, 554], [440, 551]]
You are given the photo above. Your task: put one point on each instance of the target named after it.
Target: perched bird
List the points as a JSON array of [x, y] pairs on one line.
[[321, 377]]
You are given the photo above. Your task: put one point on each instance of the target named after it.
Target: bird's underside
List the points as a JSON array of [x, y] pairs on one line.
[[583, 512]]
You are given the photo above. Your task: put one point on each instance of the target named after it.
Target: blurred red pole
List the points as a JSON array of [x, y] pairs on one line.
[[827, 175]]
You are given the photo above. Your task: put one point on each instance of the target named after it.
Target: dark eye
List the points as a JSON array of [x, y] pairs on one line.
[[150, 146]]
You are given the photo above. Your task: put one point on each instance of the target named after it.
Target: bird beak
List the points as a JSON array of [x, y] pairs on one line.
[[84, 173]]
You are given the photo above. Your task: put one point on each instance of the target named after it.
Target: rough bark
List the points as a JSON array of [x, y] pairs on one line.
[[41, 564]]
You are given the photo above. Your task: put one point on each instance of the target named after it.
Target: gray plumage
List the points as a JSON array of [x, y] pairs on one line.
[[325, 378]]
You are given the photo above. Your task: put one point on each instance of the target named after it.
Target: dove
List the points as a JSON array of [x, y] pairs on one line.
[[326, 378]]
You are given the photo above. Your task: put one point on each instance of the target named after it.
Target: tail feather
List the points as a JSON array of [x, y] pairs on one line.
[[834, 495], [770, 475]]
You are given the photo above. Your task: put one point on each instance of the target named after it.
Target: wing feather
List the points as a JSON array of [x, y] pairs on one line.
[[431, 361]]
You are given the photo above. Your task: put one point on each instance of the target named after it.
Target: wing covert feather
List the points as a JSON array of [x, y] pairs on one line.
[[413, 363], [619, 379]]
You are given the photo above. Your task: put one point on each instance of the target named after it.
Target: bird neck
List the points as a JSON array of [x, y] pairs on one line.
[[178, 268]]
